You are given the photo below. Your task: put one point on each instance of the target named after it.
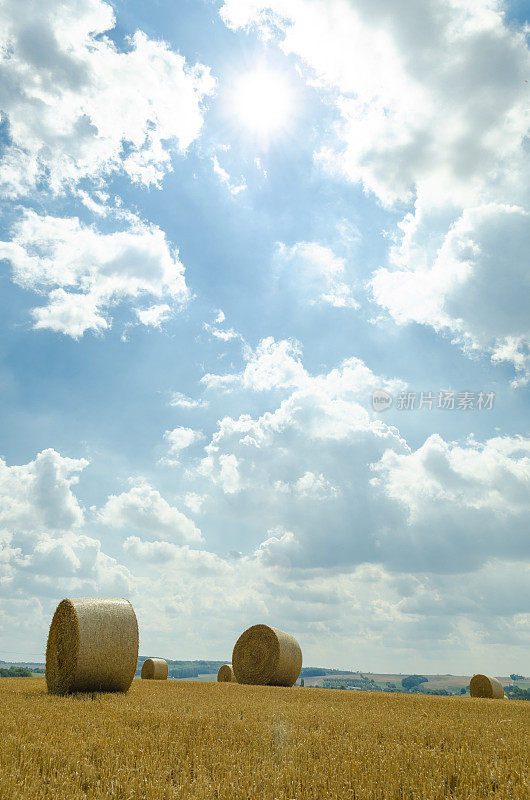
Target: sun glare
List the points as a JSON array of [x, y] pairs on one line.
[[263, 102]]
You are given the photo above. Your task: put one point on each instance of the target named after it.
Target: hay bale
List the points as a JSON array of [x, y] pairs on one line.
[[154, 669], [92, 646], [483, 686], [266, 656], [226, 674]]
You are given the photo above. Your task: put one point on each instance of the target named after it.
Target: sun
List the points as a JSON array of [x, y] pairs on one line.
[[263, 102]]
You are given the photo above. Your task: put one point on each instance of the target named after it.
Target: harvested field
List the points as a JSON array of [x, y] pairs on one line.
[[222, 741]]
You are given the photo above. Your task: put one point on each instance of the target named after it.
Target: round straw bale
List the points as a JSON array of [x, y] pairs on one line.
[[92, 646], [226, 674], [483, 686], [266, 656], [154, 669]]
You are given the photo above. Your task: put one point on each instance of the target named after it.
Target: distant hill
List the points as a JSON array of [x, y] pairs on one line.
[[324, 677], [186, 669]]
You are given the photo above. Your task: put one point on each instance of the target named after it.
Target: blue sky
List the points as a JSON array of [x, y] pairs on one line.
[[224, 226]]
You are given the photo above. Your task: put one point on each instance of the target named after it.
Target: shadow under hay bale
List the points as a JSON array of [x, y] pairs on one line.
[[266, 656], [226, 674], [154, 669], [92, 646], [484, 686]]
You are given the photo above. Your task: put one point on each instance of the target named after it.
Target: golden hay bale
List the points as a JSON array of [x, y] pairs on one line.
[[266, 656], [154, 669], [226, 674], [92, 646], [483, 686]]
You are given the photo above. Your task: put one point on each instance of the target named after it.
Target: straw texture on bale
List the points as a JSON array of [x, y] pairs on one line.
[[226, 674], [266, 656], [483, 686], [154, 669], [92, 646]]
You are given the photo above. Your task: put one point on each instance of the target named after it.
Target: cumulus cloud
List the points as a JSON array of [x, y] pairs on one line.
[[463, 503], [272, 365], [154, 316], [193, 561], [320, 461], [431, 99], [272, 552], [477, 286], [362, 596], [59, 75], [307, 485], [179, 439], [399, 70], [43, 549], [84, 272], [316, 271], [143, 508], [38, 495]]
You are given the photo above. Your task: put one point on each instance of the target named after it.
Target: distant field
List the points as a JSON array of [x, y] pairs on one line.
[[207, 677], [181, 740], [450, 682]]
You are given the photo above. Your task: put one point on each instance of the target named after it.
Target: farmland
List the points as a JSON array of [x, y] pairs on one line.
[[181, 739]]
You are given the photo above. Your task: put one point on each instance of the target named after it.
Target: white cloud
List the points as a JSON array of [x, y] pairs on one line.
[[194, 502], [154, 316], [143, 508], [477, 494], [322, 577], [59, 76], [38, 495], [315, 270], [183, 401], [431, 97], [224, 334], [441, 507], [225, 179], [153, 552], [308, 485], [400, 70], [194, 562], [477, 287], [179, 439], [229, 476], [272, 552], [221, 469], [43, 550], [272, 365], [84, 272], [76, 558]]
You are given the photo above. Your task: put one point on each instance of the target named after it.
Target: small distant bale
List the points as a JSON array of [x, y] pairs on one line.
[[92, 646], [484, 686], [154, 669], [226, 674], [266, 656]]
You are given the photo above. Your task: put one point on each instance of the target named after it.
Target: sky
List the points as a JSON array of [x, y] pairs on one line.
[[265, 330]]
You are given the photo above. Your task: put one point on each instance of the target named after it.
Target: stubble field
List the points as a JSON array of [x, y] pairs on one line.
[[168, 740]]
